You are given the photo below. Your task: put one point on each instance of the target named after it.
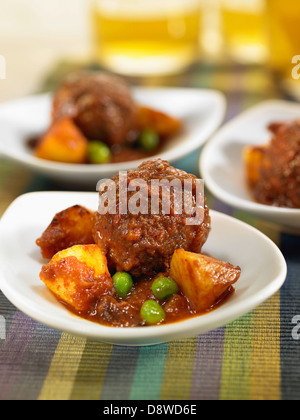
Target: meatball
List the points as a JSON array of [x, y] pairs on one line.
[[279, 171], [143, 243], [100, 104]]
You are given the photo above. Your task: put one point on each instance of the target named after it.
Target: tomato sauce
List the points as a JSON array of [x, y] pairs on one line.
[[112, 311]]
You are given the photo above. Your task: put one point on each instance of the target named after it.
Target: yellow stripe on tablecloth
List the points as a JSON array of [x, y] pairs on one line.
[[178, 374], [236, 370], [90, 377], [59, 382], [251, 361], [265, 381]]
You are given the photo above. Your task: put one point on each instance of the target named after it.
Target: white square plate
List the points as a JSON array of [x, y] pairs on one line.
[[263, 272]]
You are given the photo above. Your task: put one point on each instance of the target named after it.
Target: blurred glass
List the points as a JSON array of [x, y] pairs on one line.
[[284, 36], [147, 37], [244, 30]]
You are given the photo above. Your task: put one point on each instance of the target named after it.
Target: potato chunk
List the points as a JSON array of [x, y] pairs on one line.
[[63, 142], [70, 227], [203, 280], [253, 157], [78, 276], [165, 125]]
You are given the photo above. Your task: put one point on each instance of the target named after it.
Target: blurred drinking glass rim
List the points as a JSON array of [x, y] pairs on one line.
[[142, 37]]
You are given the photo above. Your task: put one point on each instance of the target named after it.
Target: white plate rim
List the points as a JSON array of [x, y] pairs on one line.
[[143, 336], [217, 190]]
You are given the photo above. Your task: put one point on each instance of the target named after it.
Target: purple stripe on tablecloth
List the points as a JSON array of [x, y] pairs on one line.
[[13, 350], [35, 365], [208, 366], [120, 373], [223, 208]]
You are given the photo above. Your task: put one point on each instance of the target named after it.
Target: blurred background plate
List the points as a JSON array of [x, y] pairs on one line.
[[223, 168], [202, 112]]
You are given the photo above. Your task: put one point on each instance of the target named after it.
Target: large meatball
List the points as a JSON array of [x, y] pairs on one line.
[[143, 244], [100, 104]]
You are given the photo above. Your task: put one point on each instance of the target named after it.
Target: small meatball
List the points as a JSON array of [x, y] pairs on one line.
[[100, 104], [73, 226], [143, 244]]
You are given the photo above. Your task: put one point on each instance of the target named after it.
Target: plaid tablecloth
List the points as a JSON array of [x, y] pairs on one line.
[[255, 357]]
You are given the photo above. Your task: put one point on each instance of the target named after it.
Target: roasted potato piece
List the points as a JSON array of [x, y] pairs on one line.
[[63, 142], [72, 226], [164, 125], [203, 280], [253, 157], [78, 276]]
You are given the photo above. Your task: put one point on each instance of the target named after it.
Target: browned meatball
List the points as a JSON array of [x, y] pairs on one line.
[[143, 244], [100, 104], [279, 172]]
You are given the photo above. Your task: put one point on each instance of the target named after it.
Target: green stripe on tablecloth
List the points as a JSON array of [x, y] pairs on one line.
[[236, 370], [13, 182], [149, 373], [245, 217], [265, 381]]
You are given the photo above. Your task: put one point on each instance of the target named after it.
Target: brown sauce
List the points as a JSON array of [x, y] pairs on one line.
[[112, 311]]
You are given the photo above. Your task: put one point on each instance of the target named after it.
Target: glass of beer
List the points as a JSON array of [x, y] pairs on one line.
[[284, 37], [243, 29], [147, 37]]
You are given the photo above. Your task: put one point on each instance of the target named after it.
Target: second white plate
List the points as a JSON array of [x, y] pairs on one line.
[[202, 112], [223, 169]]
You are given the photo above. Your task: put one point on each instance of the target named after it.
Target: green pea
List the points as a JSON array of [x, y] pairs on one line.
[[123, 284], [152, 312], [149, 140], [163, 287], [98, 152]]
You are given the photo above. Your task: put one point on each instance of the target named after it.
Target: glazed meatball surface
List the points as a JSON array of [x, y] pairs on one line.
[[100, 104], [279, 180], [143, 244]]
